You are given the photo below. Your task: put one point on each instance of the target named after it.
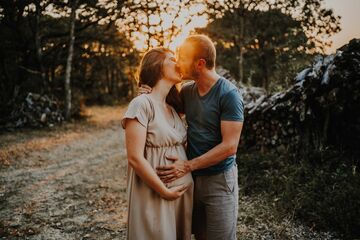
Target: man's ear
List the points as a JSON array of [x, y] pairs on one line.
[[201, 63]]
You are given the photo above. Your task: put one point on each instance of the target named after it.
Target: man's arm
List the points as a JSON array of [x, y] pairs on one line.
[[230, 132], [232, 117]]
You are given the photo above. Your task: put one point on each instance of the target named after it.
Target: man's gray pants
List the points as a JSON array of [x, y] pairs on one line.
[[216, 199]]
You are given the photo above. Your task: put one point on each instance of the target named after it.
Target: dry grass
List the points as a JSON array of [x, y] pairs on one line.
[[104, 116], [259, 219], [17, 144]]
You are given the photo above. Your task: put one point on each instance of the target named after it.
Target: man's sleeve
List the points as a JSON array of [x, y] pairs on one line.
[[232, 106]]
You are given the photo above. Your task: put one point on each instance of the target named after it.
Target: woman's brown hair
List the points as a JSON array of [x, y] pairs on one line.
[[151, 71]]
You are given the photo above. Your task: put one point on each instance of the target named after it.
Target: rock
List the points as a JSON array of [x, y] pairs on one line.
[[250, 94], [320, 109], [43, 118], [35, 111]]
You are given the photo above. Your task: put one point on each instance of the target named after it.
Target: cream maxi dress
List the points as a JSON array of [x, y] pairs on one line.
[[150, 216]]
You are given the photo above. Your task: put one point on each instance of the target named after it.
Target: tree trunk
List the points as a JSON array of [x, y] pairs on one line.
[[108, 79], [114, 81], [69, 61], [38, 46], [266, 76], [241, 44], [265, 71], [266, 83]]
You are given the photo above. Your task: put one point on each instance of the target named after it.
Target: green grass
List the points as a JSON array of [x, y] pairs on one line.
[[323, 190]]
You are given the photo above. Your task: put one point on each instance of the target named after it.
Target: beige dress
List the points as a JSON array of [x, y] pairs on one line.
[[150, 216]]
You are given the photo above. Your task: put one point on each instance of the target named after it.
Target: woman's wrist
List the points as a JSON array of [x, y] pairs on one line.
[[163, 191]]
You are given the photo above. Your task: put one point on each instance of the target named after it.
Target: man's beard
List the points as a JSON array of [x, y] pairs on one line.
[[195, 74], [192, 74]]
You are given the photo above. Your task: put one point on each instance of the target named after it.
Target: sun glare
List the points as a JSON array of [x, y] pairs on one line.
[[185, 21], [197, 22]]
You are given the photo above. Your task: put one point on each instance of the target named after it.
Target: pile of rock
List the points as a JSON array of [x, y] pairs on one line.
[[321, 108], [35, 111], [250, 94]]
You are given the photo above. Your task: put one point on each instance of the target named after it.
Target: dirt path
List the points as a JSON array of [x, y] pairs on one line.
[[70, 183], [73, 189]]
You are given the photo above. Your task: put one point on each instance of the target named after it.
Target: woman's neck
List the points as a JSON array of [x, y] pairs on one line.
[[161, 90]]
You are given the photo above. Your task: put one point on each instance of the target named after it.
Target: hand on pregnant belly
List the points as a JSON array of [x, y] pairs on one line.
[[175, 192], [176, 170]]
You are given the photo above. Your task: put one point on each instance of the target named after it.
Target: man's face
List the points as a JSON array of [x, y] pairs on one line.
[[186, 63]]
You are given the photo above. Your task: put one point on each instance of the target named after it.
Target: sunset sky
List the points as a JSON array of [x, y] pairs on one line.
[[349, 10]]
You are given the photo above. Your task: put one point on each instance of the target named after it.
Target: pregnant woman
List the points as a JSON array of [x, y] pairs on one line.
[[153, 131]]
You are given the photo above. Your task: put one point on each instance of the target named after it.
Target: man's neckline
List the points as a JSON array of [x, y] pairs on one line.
[[210, 90]]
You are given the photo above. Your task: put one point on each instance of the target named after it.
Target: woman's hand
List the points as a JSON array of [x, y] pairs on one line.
[[174, 193], [144, 89]]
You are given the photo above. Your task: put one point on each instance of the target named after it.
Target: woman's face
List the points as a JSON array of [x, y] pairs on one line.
[[170, 70]]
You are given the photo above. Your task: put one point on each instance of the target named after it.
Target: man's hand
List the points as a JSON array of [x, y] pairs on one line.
[[144, 89], [174, 171]]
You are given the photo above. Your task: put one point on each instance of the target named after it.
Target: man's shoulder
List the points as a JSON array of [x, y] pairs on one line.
[[227, 86], [187, 86]]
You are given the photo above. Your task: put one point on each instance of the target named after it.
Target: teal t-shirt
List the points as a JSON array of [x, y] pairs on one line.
[[204, 115]]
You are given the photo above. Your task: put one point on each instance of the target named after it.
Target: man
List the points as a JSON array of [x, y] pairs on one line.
[[214, 114]]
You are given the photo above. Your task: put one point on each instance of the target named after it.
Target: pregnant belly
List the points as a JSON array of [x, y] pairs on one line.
[[157, 157], [181, 154], [185, 180]]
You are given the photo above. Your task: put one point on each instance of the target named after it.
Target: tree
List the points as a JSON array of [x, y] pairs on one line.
[[85, 8], [18, 58], [153, 23], [38, 12], [34, 44], [316, 22], [74, 6], [277, 39]]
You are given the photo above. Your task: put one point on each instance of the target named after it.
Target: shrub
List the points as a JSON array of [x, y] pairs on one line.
[[323, 190]]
